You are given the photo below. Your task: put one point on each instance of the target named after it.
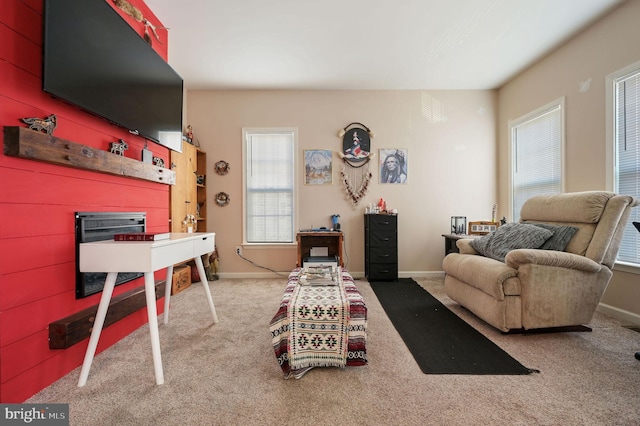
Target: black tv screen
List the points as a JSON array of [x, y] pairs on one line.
[[96, 61]]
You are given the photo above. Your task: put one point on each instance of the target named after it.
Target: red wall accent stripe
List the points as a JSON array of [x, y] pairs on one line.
[[38, 201]]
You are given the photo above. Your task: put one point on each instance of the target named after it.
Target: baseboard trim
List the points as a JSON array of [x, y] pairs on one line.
[[621, 314], [613, 311], [354, 274]]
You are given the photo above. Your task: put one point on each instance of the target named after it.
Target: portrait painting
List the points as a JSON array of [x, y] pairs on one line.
[[318, 167], [393, 165]]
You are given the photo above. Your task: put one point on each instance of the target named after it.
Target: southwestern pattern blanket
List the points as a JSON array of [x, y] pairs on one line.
[[319, 326]]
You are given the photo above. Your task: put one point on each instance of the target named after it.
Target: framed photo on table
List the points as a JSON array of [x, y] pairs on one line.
[[318, 167], [482, 228]]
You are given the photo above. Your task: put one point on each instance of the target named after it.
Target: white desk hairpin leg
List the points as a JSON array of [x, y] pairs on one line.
[[97, 327], [167, 293], [152, 314], [205, 285]]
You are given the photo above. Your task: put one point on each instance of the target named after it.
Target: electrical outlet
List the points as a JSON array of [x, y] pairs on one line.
[[239, 250]]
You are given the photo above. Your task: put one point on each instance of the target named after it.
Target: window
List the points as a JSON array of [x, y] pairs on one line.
[[537, 154], [269, 189], [624, 128]]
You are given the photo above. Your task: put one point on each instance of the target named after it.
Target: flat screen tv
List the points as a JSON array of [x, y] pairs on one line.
[[94, 59]]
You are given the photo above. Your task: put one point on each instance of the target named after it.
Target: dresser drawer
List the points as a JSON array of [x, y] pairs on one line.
[[383, 222], [383, 255], [383, 238], [383, 271]]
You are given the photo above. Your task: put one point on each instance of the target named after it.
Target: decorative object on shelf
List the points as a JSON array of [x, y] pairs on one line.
[[318, 169], [221, 167], [393, 166], [46, 125], [136, 14], [190, 224], [356, 154], [222, 199], [334, 221], [458, 225], [494, 212], [146, 36], [188, 136], [129, 9], [200, 179], [119, 147], [147, 155], [482, 228], [157, 161]]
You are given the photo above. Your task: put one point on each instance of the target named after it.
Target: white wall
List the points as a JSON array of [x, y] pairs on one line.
[[577, 71], [450, 138]]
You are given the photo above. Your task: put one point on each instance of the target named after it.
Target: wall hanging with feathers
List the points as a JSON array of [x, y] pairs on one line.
[[356, 155]]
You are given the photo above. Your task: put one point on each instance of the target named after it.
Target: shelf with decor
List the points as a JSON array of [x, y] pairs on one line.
[[189, 194], [201, 189]]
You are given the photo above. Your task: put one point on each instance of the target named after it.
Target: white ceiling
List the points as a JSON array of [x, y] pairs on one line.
[[365, 44]]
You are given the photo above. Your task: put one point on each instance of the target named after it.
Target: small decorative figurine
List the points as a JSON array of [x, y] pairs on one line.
[[46, 125], [222, 199], [222, 167], [119, 147], [190, 224], [157, 161]]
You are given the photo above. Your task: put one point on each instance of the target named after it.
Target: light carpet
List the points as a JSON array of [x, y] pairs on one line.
[[227, 374]]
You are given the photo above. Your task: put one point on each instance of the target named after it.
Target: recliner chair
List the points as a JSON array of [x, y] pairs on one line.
[[534, 288]]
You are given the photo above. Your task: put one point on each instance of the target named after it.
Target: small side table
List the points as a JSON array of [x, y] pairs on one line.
[[333, 240], [450, 242]]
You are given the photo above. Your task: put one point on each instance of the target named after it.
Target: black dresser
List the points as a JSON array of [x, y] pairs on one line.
[[381, 247]]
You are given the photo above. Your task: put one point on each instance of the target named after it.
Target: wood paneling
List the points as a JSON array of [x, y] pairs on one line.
[[37, 240], [32, 145]]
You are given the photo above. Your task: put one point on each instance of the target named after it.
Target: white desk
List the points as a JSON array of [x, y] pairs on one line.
[[142, 256]]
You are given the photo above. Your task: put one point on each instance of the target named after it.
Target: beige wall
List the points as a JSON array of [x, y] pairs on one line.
[[450, 138], [607, 46]]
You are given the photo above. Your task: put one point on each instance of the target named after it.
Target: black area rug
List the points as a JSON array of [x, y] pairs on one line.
[[439, 340]]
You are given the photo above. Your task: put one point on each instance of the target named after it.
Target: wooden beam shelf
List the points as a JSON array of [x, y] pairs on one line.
[[32, 145], [70, 330]]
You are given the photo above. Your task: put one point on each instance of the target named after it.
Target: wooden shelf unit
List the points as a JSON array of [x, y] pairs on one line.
[[187, 195]]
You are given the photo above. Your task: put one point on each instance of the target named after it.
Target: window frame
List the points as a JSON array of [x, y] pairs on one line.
[[513, 124], [611, 146], [246, 131]]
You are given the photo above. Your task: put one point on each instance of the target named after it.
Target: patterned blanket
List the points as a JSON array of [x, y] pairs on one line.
[[319, 326]]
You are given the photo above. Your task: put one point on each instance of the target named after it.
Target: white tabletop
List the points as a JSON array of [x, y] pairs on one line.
[[144, 256]]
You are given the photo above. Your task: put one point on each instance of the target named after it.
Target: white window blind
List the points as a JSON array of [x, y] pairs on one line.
[[537, 155], [627, 146], [269, 186]]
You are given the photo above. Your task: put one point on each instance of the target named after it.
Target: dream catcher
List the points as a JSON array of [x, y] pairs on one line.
[[356, 155]]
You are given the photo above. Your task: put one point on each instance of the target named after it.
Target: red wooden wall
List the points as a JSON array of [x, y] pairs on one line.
[[37, 205]]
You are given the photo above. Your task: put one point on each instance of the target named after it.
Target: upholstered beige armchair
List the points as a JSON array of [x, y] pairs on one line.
[[549, 270]]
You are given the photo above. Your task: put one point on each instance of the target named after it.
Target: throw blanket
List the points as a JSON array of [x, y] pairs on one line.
[[319, 326]]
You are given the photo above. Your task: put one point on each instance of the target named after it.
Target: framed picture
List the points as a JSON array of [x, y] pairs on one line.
[[318, 168], [482, 228], [393, 165]]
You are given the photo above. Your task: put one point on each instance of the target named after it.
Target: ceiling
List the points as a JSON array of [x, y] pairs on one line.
[[365, 44]]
